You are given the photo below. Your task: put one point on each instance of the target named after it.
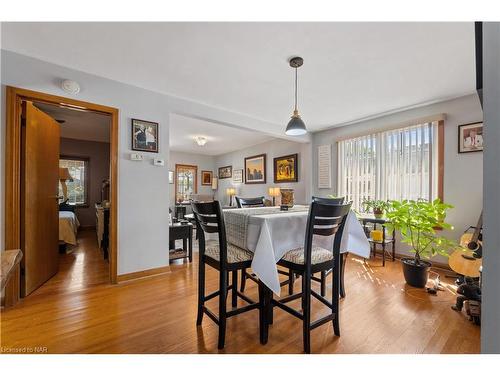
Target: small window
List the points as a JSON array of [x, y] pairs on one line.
[[78, 187], [185, 181]]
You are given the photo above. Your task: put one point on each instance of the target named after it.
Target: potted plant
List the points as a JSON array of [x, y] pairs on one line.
[[377, 206], [417, 222]]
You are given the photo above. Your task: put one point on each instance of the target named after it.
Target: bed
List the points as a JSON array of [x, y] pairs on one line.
[[68, 227]]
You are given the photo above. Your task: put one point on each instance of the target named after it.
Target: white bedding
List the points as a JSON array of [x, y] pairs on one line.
[[68, 227]]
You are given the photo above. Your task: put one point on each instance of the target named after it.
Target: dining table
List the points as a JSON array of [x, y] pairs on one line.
[[270, 232]]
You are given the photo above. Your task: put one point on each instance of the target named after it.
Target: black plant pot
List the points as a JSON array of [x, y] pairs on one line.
[[415, 275]]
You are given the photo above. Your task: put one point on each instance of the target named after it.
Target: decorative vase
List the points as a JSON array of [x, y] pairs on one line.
[[378, 213]]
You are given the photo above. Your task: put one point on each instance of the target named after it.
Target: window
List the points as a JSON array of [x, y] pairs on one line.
[[78, 188], [185, 181], [391, 165]]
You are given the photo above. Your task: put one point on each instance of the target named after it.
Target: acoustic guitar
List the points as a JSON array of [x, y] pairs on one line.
[[468, 260]]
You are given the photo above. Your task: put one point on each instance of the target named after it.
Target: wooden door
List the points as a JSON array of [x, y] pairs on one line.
[[39, 197]]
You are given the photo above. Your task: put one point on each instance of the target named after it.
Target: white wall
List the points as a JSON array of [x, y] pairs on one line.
[[272, 149], [142, 187], [203, 162], [490, 325], [463, 175]]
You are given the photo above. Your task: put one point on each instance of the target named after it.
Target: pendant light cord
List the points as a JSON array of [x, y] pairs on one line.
[[295, 89]]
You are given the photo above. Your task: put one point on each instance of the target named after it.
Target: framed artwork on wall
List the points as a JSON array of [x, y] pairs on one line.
[[286, 168], [255, 169], [144, 135], [226, 172], [238, 176], [470, 137], [206, 178]]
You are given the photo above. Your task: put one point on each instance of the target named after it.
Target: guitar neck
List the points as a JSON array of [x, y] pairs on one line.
[[477, 230]]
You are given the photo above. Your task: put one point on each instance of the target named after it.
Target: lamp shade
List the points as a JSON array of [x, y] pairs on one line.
[[64, 174], [230, 191], [274, 191], [214, 183], [296, 126]]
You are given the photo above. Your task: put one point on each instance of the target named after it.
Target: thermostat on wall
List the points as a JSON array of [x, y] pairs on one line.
[[136, 157], [159, 162]]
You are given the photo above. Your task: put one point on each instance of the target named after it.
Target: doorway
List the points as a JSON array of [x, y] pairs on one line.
[[15, 199]]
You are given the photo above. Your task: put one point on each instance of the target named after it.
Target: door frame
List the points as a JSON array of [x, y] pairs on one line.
[[13, 165]]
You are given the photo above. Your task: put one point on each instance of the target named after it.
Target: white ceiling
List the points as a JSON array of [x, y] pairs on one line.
[[83, 125], [221, 139], [351, 70]]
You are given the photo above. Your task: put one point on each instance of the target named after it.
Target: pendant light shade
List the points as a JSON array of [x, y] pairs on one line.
[[296, 126]]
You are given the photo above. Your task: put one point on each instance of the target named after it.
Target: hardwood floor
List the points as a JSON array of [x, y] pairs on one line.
[[83, 314]]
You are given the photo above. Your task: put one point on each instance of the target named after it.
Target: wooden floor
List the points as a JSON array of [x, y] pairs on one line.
[[78, 312]]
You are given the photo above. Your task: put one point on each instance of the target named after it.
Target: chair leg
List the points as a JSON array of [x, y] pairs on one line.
[[243, 279], [335, 302], [201, 291], [343, 260], [291, 280], [234, 289], [323, 284], [222, 308], [306, 302]]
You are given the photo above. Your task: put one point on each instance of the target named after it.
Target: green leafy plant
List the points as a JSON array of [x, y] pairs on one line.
[[375, 205], [417, 221]]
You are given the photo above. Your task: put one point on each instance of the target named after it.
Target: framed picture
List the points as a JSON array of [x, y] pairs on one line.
[[470, 137], [225, 172], [206, 178], [286, 168], [144, 136], [238, 176], [170, 177], [255, 169]]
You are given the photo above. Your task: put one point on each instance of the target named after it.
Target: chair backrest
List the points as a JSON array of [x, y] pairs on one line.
[[250, 202], [210, 219], [337, 200], [325, 219]]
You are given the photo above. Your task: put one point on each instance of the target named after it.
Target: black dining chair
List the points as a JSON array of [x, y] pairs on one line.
[[226, 258], [250, 202], [343, 257], [324, 274], [325, 219]]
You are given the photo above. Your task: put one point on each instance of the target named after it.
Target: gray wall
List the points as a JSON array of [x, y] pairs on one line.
[[463, 175], [490, 325], [203, 162], [272, 149], [99, 167], [142, 187]]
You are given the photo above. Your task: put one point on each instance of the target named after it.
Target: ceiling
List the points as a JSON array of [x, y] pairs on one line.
[[83, 125], [221, 139], [351, 70]]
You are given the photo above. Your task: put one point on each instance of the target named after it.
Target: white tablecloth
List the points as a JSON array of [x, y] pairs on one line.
[[271, 236]]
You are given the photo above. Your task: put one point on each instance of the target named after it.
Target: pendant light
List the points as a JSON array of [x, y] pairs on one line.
[[296, 126]]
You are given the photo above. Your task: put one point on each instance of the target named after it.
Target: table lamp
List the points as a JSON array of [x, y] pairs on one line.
[[64, 176], [231, 192], [274, 192]]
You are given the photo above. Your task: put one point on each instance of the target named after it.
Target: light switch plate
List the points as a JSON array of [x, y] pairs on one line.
[[136, 157]]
